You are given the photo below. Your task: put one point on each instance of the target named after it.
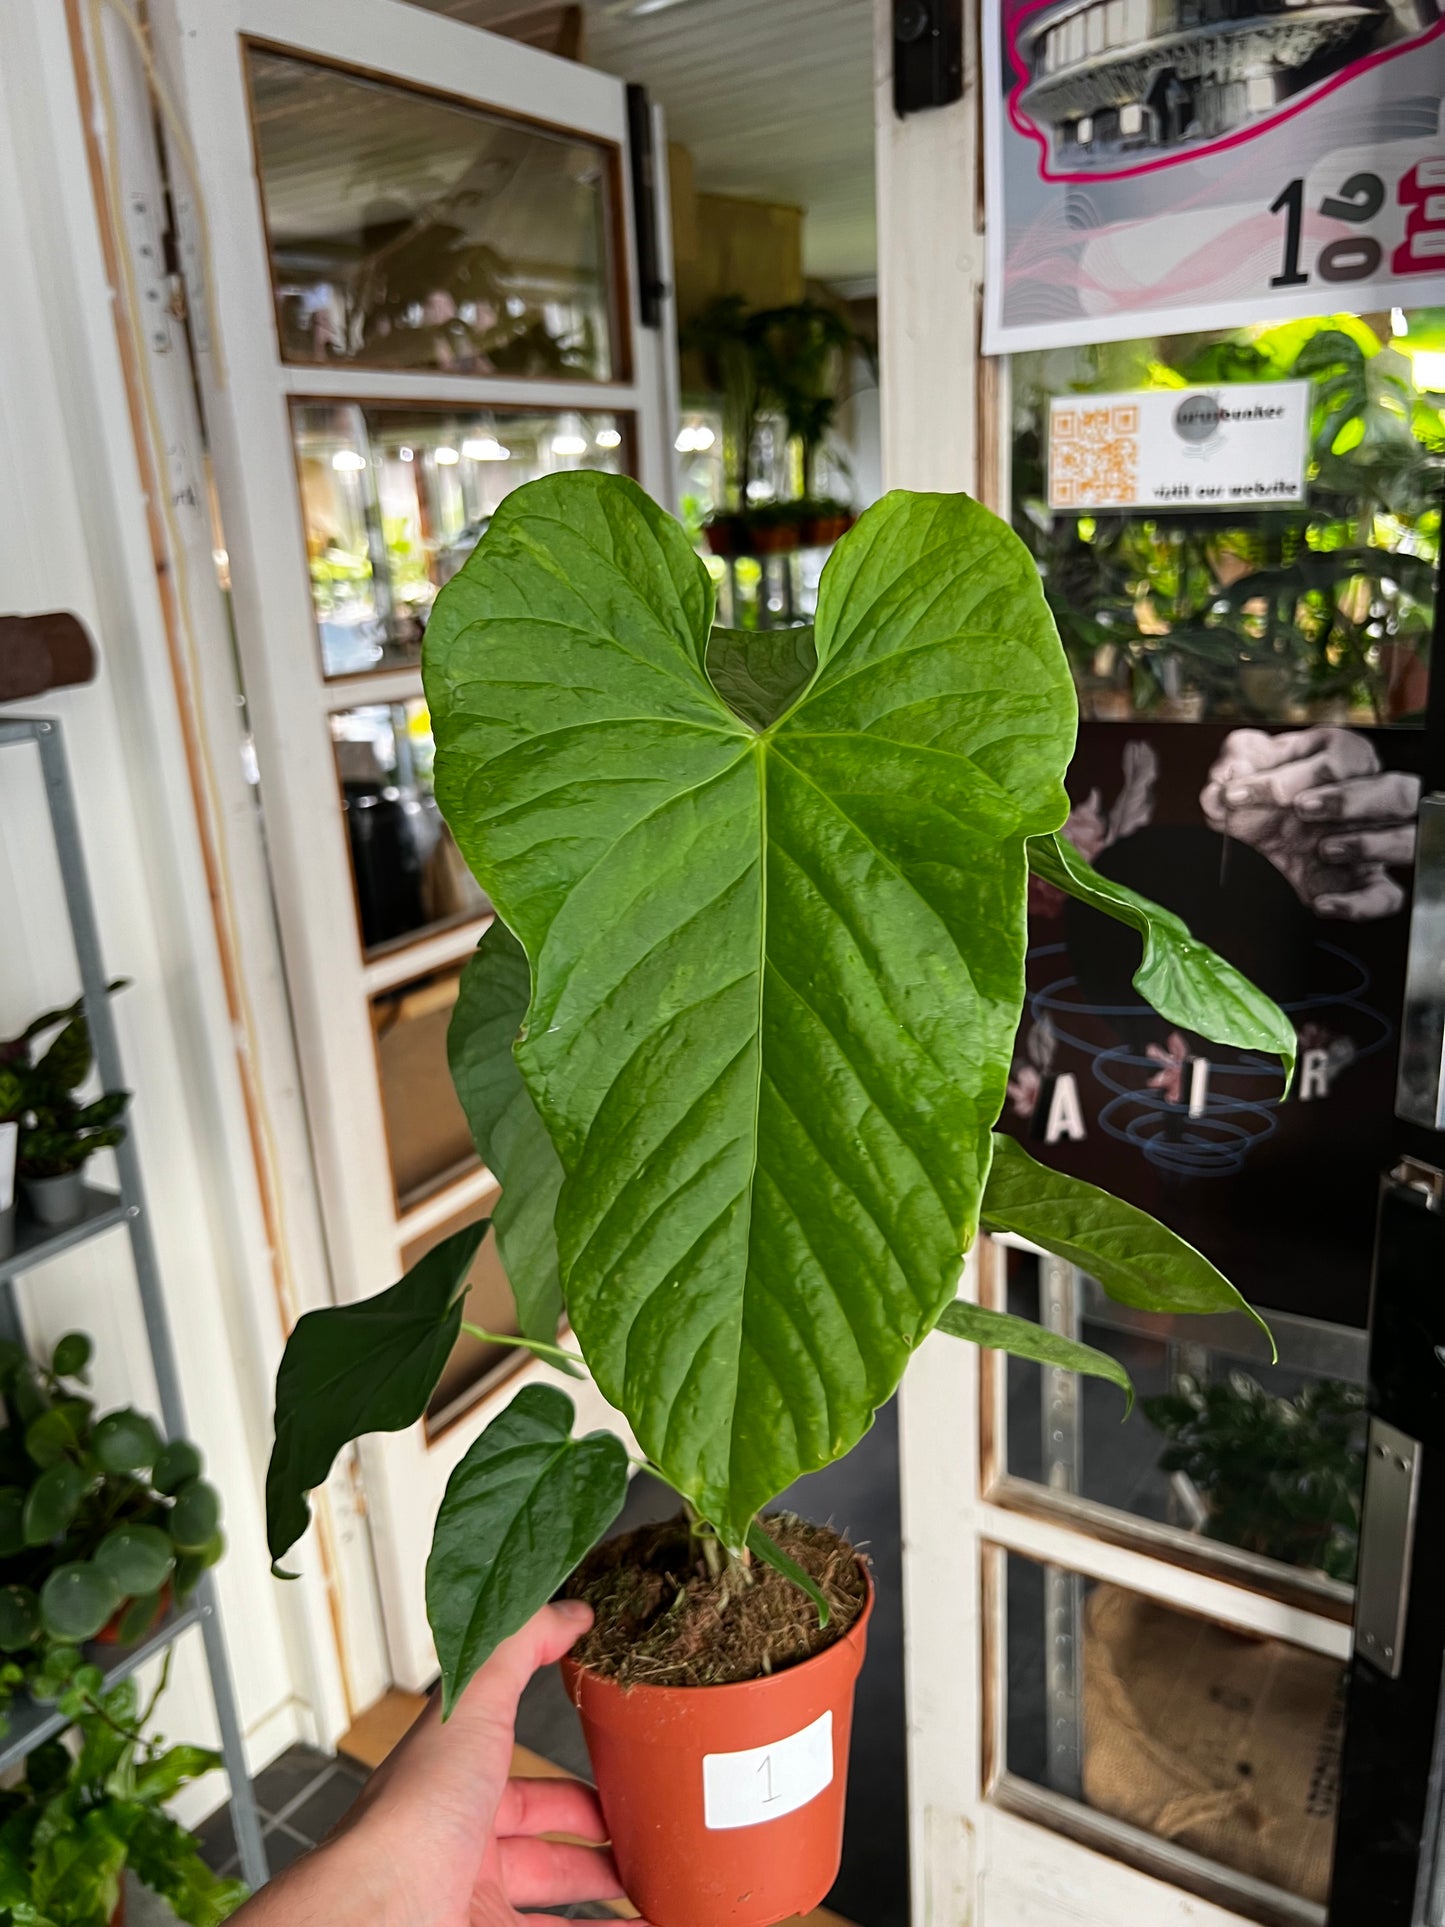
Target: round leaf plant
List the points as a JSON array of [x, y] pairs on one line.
[[738, 1039]]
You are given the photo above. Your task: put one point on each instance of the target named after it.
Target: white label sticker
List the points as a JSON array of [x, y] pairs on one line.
[[765, 1782]]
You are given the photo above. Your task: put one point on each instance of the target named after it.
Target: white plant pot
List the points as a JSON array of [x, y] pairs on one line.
[[56, 1201]]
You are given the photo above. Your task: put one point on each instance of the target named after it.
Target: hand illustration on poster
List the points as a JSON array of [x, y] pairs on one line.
[[1289, 851], [1166, 164]]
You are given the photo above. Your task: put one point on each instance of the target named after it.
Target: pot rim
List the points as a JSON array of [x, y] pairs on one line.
[[576, 1676]]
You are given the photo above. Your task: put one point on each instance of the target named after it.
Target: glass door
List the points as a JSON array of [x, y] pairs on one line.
[[409, 253]]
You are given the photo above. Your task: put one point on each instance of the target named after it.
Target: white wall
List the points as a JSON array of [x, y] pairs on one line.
[[74, 535]]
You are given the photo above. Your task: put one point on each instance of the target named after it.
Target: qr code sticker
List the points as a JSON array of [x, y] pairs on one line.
[[1094, 456]]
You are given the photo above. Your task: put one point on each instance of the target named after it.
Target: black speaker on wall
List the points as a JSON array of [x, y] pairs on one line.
[[927, 54]]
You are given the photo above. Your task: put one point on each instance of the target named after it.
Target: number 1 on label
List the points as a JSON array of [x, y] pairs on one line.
[[765, 1774]]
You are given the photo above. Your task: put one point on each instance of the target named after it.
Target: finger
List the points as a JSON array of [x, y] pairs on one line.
[[1371, 846], [550, 1806], [1391, 798], [547, 1873], [1282, 785], [1382, 897], [1256, 749]]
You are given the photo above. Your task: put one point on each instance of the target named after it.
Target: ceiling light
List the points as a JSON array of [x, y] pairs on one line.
[[694, 439], [347, 460], [407, 454], [446, 456], [609, 438], [485, 448], [569, 444], [703, 437]]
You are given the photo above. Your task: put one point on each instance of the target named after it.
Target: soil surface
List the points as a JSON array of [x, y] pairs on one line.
[[663, 1620]]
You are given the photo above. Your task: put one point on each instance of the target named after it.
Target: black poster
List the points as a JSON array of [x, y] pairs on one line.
[[1289, 851]]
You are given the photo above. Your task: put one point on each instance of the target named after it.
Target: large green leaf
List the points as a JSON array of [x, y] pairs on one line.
[[519, 1512], [1000, 1331], [775, 977], [509, 1134], [353, 1369], [760, 672], [1137, 1260], [1181, 978]]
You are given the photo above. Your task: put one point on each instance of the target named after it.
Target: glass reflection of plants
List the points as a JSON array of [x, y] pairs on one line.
[[1321, 611], [1281, 1477]]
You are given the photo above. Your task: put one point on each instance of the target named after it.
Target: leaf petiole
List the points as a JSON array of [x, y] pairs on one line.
[[538, 1345]]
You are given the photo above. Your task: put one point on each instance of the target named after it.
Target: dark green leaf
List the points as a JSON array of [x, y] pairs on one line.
[[195, 1517], [71, 1355], [139, 1617], [138, 1558], [763, 1545], [77, 1600], [772, 1104], [12, 1521], [353, 1369], [168, 1772], [190, 1565], [53, 1502], [760, 672], [1137, 1260], [59, 1432], [125, 1442], [520, 1510], [1184, 980], [178, 1461], [510, 1137], [66, 1064], [1000, 1331], [19, 1618]]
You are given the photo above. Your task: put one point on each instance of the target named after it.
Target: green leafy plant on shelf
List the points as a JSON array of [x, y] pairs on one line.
[[738, 1040], [102, 1523], [1282, 1477], [59, 1133], [93, 1807]]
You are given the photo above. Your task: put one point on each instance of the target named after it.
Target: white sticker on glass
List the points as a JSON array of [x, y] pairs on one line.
[[765, 1782]]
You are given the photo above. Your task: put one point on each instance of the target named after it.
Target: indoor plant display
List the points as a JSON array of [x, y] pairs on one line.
[[735, 1047], [87, 1811], [58, 1132], [101, 1523]]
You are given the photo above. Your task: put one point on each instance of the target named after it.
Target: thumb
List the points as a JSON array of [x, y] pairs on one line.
[[547, 1635]]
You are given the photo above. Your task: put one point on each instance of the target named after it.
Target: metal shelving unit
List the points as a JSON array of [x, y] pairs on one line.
[[107, 1211]]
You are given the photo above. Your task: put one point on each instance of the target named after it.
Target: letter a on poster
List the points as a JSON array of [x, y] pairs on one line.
[[1157, 166]]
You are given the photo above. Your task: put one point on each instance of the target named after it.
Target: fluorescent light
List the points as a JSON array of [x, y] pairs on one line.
[[485, 448], [609, 438], [347, 460], [446, 456], [1429, 367], [569, 444]]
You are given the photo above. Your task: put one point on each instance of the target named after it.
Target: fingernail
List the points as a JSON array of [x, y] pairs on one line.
[[1309, 804], [1329, 906], [1334, 847], [1237, 793], [577, 1609]]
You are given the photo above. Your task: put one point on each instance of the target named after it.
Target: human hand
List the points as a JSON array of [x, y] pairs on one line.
[[440, 1836], [1318, 805]]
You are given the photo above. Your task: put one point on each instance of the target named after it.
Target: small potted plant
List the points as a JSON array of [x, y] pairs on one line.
[[735, 1046], [825, 522], [102, 1523], [58, 1132], [91, 1809], [772, 527]]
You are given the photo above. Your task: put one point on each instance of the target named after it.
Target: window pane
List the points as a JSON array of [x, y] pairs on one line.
[[1223, 1446], [395, 499], [408, 872], [426, 1129], [1196, 1738], [1319, 611], [408, 232]]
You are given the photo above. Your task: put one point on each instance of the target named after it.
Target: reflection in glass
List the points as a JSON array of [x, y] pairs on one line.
[[426, 1128], [1222, 1444], [1317, 612], [409, 232], [1221, 1744], [395, 499], [409, 874]]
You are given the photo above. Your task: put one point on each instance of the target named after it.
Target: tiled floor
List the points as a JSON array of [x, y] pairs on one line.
[[302, 1795]]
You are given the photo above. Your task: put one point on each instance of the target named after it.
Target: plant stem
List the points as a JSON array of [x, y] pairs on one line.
[[538, 1345]]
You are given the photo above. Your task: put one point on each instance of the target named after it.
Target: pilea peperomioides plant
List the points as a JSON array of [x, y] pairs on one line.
[[738, 1040]]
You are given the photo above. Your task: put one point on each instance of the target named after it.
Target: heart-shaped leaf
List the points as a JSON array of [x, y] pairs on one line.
[[1137, 1260], [760, 672], [1000, 1331], [520, 1510], [776, 977], [353, 1369], [510, 1137], [1181, 978]]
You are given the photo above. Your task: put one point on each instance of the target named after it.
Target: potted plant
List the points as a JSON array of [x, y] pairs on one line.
[[1282, 1477], [772, 528], [102, 1523], [58, 1133], [88, 1810], [735, 1047]]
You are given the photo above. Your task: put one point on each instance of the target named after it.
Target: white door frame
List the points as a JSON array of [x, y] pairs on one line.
[[247, 389]]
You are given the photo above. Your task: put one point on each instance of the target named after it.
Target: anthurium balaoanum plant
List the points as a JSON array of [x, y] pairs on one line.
[[738, 1040]]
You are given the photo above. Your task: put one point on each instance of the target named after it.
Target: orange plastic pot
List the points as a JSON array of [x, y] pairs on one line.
[[725, 1803]]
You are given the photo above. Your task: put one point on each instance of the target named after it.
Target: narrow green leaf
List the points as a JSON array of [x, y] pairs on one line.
[[1184, 980], [509, 1134], [520, 1510], [763, 1545], [775, 978], [1137, 1260], [353, 1369], [1000, 1331], [760, 672]]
